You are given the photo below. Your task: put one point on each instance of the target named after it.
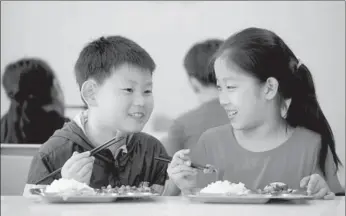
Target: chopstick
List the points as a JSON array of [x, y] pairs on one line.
[[193, 165], [104, 146], [92, 152]]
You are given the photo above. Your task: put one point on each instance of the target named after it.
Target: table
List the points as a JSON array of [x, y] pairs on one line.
[[165, 206]]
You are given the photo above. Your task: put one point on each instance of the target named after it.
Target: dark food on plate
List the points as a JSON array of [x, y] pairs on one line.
[[278, 188], [126, 190]]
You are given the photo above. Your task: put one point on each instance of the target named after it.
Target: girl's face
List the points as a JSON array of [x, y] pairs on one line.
[[240, 94]]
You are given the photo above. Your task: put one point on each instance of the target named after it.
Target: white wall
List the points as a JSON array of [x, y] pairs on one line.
[[57, 31]]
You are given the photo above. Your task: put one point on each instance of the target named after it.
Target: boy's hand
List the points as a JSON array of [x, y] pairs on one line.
[[78, 167], [180, 171], [317, 187]]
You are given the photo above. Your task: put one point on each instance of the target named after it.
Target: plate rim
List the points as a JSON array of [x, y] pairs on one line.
[[41, 192], [249, 196], [111, 195]]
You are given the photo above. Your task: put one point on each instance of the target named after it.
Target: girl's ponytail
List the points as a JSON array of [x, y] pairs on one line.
[[305, 111]]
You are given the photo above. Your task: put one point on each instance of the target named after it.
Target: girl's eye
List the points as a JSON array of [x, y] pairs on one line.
[[218, 87], [129, 90], [231, 87], [148, 91]]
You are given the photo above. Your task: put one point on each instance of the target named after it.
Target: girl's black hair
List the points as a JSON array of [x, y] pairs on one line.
[[29, 83]]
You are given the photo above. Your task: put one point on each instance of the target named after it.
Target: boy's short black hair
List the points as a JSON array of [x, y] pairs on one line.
[[196, 61], [98, 58]]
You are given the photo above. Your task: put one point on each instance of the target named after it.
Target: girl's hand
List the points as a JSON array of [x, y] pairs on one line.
[[317, 187], [181, 172]]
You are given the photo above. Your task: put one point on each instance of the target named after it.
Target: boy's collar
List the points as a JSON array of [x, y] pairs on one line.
[[82, 118]]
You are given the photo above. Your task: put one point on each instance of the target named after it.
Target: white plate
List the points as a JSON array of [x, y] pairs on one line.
[[244, 199], [97, 198]]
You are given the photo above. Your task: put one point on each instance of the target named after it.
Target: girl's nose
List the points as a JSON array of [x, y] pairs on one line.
[[223, 98]]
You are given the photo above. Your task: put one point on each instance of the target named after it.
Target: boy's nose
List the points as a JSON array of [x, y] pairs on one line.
[[139, 100]]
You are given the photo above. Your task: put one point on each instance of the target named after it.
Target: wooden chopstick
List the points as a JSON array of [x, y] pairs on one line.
[[193, 165], [92, 152]]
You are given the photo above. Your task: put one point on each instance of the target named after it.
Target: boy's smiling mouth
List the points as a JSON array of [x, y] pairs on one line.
[[137, 115]]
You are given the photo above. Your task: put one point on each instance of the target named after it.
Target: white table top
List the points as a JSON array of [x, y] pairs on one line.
[[165, 206]]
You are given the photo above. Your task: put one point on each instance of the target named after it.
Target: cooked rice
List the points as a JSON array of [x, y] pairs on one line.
[[225, 187], [68, 186]]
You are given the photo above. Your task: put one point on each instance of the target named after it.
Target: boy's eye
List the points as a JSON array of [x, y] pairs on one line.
[[129, 90], [148, 91]]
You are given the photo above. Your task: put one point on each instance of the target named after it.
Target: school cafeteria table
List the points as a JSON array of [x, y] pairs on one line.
[[164, 206]]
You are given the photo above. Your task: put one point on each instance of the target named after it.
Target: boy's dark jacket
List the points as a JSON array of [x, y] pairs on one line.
[[136, 166]]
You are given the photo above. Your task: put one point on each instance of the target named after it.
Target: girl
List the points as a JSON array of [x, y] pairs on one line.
[[277, 130], [37, 102]]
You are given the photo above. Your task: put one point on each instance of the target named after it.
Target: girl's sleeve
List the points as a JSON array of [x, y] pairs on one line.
[[199, 154]]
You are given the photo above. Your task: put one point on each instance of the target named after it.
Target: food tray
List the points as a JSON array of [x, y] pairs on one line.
[[246, 198], [90, 198]]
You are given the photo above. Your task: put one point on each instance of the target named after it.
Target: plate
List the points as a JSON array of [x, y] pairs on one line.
[[94, 198], [244, 199]]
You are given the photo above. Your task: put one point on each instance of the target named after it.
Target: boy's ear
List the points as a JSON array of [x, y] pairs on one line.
[[271, 88], [88, 92]]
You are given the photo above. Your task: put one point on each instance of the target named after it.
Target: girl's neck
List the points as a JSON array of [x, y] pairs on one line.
[[264, 137]]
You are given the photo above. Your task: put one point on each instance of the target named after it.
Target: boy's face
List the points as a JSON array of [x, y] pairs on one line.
[[124, 101]]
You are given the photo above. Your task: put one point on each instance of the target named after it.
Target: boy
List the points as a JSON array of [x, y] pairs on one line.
[[115, 79]]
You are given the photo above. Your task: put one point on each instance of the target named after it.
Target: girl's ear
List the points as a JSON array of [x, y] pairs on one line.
[[271, 88], [88, 92]]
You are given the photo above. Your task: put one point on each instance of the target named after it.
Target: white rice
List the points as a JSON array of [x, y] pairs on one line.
[[67, 186], [225, 187]]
